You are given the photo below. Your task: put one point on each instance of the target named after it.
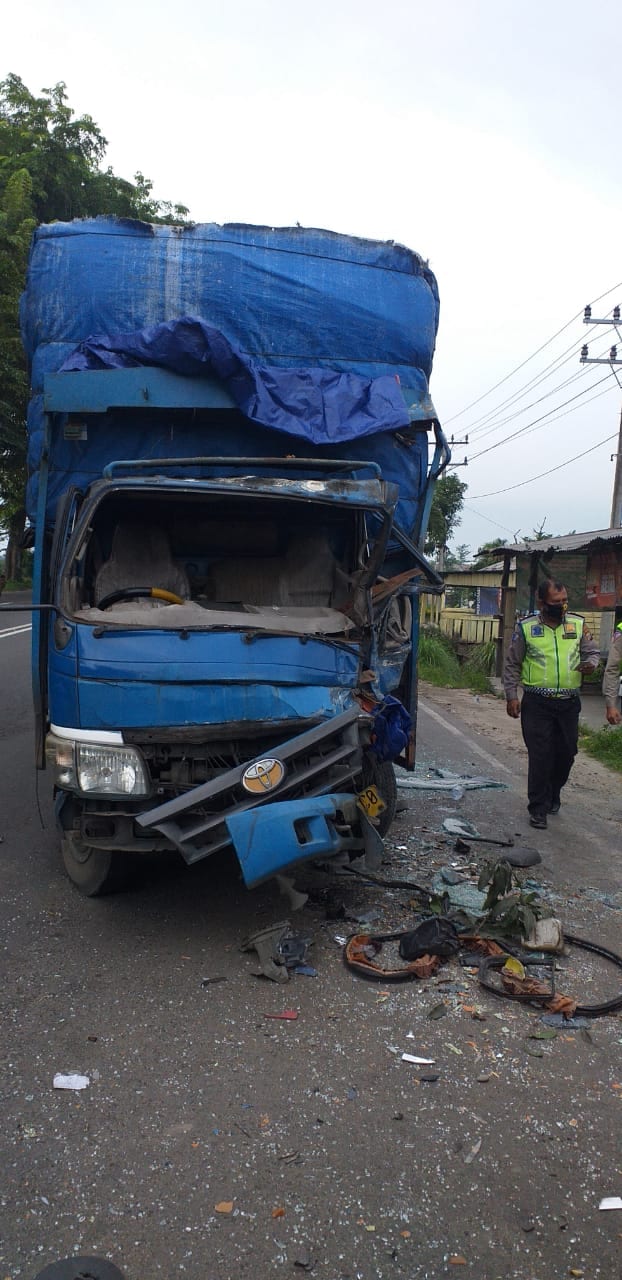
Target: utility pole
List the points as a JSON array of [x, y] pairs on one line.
[[613, 361], [616, 504], [452, 444]]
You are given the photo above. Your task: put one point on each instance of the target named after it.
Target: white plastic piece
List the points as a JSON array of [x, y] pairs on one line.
[[611, 1202], [71, 1081], [420, 1062]]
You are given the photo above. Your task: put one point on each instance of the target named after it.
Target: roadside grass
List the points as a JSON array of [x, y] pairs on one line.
[[438, 663], [603, 744]]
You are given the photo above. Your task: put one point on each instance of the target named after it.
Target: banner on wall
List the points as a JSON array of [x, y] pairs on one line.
[[603, 588]]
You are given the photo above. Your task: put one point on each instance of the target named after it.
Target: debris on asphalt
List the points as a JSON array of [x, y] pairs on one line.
[[266, 943], [71, 1081], [296, 900], [438, 1011], [611, 1202], [293, 950], [460, 827], [364, 917], [288, 1015], [546, 935], [474, 1151], [224, 1206], [435, 936], [569, 1024], [421, 1062], [523, 856], [212, 982], [465, 896], [304, 1260], [444, 781], [70, 1268]]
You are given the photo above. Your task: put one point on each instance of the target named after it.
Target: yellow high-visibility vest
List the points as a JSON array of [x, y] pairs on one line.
[[552, 654]]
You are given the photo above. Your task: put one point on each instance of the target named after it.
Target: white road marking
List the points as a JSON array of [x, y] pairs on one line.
[[451, 728], [15, 631]]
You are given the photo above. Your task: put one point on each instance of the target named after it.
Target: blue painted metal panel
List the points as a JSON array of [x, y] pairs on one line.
[[269, 840], [114, 704], [63, 696], [166, 657], [98, 391]]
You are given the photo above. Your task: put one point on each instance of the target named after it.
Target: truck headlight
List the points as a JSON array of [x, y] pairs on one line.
[[101, 770], [110, 771]]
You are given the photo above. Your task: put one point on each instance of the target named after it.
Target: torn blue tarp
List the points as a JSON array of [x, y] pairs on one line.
[[323, 327], [318, 405]]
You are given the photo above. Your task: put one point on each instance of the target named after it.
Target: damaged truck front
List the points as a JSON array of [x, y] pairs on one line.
[[230, 490]]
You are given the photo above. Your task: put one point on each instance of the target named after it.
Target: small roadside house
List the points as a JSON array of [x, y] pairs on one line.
[[589, 565]]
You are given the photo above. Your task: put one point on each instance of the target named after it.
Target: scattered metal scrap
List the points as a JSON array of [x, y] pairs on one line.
[[279, 951]]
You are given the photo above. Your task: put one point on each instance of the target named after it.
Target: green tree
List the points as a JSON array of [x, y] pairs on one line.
[[50, 169], [488, 553], [447, 504], [459, 556]]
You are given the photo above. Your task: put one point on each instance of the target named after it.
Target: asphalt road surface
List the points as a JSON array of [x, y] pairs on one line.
[[216, 1142]]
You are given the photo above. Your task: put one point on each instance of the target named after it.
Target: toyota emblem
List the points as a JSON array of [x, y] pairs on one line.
[[262, 776]]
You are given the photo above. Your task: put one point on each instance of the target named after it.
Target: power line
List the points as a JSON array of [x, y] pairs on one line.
[[512, 417], [529, 358], [488, 427], [538, 422], [489, 520], [550, 471], [564, 358]]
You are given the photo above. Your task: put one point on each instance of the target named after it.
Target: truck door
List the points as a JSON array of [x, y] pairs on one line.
[[42, 620]]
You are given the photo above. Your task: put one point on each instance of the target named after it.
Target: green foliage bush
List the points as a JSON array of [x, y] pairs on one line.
[[603, 744], [439, 664]]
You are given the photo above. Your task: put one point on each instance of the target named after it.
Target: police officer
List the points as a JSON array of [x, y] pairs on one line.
[[611, 678], [549, 652]]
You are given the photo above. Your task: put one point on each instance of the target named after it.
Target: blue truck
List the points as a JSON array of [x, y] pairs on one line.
[[229, 491]]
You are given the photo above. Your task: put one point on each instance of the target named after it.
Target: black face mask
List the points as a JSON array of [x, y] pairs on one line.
[[555, 611]]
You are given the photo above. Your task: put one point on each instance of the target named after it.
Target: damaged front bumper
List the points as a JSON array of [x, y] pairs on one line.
[[311, 816], [272, 839]]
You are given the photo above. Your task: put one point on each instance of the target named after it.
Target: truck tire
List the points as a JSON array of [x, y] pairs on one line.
[[93, 871], [380, 774]]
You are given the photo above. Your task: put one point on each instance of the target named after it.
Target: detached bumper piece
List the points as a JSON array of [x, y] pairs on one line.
[[325, 759], [268, 840]]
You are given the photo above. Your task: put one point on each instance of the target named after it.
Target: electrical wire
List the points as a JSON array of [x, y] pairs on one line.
[[489, 520], [533, 355], [546, 418], [488, 429], [550, 471], [565, 357], [512, 417]]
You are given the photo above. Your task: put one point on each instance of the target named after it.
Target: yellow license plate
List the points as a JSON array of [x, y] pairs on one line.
[[371, 802]]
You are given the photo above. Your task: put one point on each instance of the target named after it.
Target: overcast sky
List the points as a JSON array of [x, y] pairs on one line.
[[482, 133]]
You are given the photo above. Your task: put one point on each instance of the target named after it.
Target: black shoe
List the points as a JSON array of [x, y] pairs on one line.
[[538, 820], [555, 807]]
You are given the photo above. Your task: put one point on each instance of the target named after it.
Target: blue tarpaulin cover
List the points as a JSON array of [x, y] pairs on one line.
[[319, 405], [318, 335]]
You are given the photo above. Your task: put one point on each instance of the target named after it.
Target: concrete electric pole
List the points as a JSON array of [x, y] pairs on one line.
[[613, 361]]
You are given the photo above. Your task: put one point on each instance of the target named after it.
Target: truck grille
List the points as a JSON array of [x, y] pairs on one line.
[[324, 759]]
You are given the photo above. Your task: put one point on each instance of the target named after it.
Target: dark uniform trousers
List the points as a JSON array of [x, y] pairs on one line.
[[551, 730]]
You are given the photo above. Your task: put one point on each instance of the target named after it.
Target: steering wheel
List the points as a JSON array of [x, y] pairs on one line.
[[133, 593]]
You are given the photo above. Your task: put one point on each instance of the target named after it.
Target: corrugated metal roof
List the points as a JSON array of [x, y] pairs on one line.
[[569, 542]]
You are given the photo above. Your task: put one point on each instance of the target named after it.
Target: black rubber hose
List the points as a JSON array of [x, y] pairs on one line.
[[582, 1010]]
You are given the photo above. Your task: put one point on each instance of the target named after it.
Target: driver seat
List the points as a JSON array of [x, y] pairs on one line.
[[140, 557]]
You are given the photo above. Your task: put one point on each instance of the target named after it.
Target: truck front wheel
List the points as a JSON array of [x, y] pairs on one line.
[[93, 871]]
